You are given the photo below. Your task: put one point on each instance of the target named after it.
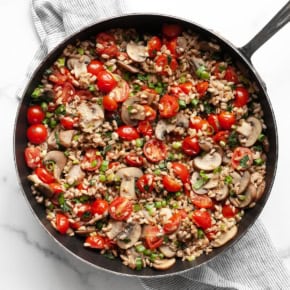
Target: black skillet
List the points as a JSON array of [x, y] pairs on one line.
[[152, 23]]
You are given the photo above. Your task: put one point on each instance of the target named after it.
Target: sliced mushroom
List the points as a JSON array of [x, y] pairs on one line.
[[66, 137], [163, 128], [125, 110], [52, 139], [86, 231], [167, 251], [242, 201], [206, 144], [136, 52], [165, 214], [225, 237], [182, 120], [128, 67], [59, 160], [209, 46], [41, 186], [212, 182], [164, 264], [128, 172], [115, 227], [78, 65], [137, 112], [222, 193], [244, 182], [250, 131], [208, 162], [194, 179], [75, 174], [129, 236], [260, 190]]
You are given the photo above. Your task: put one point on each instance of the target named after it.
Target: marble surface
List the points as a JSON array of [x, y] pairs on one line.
[[29, 258]]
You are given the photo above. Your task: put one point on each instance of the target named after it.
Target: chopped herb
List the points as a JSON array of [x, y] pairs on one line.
[[198, 184], [102, 178], [83, 198], [86, 215], [139, 142], [261, 137], [60, 110], [136, 88], [44, 106], [158, 204], [142, 77], [233, 139], [230, 108], [100, 101], [176, 145], [228, 179], [178, 193], [217, 170], [157, 171], [47, 72], [258, 148], [222, 67], [126, 240], [202, 73], [162, 165], [161, 256], [153, 257], [57, 141], [136, 207], [182, 104], [107, 197], [140, 248], [92, 88], [37, 92], [80, 51], [203, 176], [259, 161], [147, 252], [62, 203], [170, 156], [182, 79], [99, 225], [163, 202], [127, 76], [139, 264], [244, 161], [208, 108], [109, 255], [61, 62], [110, 67], [200, 234], [165, 239], [169, 59], [194, 102], [107, 149]]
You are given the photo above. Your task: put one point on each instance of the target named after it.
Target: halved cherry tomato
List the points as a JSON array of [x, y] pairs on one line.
[[226, 120], [95, 242], [171, 30], [186, 87], [231, 75], [35, 114], [68, 93], [229, 211], [84, 94], [61, 223], [202, 201], [135, 160], [59, 77], [36, 133], [168, 106], [242, 158], [171, 184], [82, 186], [202, 219], [106, 82], [221, 136], [153, 237], [172, 224], [145, 183], [145, 128], [175, 91], [241, 97], [213, 120], [155, 150], [110, 103], [198, 123], [68, 122], [171, 46], [95, 66], [150, 113], [154, 44], [165, 61], [180, 171], [121, 92], [32, 157], [108, 45], [201, 88], [113, 164], [91, 160], [120, 208], [56, 188], [44, 175], [100, 206], [190, 146], [128, 133], [83, 211]]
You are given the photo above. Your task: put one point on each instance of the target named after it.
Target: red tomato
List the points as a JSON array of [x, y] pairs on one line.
[[171, 184], [120, 208], [59, 77], [229, 211], [231, 75], [226, 120], [108, 45], [175, 91], [62, 223], [221, 136], [106, 82], [150, 113], [213, 120], [145, 183], [135, 160], [91, 160], [145, 128], [202, 201], [84, 94], [121, 92], [242, 158], [32, 157], [186, 87], [154, 44], [95, 242], [44, 175], [164, 61], [168, 106], [128, 133], [202, 219], [56, 188], [100, 206], [110, 103], [35, 115], [171, 46], [153, 237], [201, 88], [180, 171], [95, 66], [68, 122], [68, 92], [36, 133], [113, 164], [155, 150], [198, 123], [190, 146], [173, 224], [171, 30], [83, 211], [241, 97]]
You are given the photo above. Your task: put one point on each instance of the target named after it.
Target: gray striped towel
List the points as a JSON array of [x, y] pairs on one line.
[[252, 263]]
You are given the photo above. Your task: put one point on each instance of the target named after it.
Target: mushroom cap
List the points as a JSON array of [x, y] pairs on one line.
[[208, 162], [222, 193], [78, 65], [194, 178], [260, 190], [127, 188], [248, 197], [59, 159], [250, 131], [129, 236], [164, 264], [162, 128], [66, 137], [125, 115], [129, 172], [115, 228], [128, 67], [75, 174], [136, 52], [41, 186], [225, 237], [167, 251]]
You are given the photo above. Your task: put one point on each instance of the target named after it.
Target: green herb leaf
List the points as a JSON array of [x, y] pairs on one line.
[[233, 139], [244, 161], [198, 184], [228, 179]]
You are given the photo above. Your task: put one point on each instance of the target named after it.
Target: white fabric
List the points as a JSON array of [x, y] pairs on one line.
[[252, 263]]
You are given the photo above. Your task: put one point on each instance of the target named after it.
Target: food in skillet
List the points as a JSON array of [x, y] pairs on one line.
[[148, 146]]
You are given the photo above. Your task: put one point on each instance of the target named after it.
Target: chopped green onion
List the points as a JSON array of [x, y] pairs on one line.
[[258, 148], [142, 77], [140, 248], [62, 203], [61, 61], [60, 110], [178, 193], [76, 137], [161, 256], [107, 149], [36, 93], [52, 123], [110, 256], [241, 197], [136, 88], [217, 170], [139, 142], [203, 176], [194, 102], [182, 79], [80, 50], [44, 106], [261, 137], [170, 156], [198, 184], [136, 207], [102, 178], [50, 165], [163, 202], [259, 161], [158, 204], [162, 165], [157, 172], [200, 234], [182, 104], [92, 88], [104, 166], [147, 252], [153, 257], [139, 264], [110, 67], [202, 73], [228, 179], [110, 177], [127, 76], [175, 205], [176, 145]]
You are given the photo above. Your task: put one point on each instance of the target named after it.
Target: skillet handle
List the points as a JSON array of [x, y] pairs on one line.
[[275, 24]]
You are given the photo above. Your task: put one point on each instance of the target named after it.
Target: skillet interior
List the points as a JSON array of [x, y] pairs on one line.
[[147, 23]]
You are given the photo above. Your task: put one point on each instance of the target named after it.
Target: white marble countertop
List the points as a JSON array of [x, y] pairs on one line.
[[29, 257]]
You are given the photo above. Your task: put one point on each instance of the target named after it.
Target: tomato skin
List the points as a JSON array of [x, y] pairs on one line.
[[106, 82], [44, 175], [95, 66], [171, 184], [221, 136], [100, 206], [186, 87], [168, 106], [231, 75], [173, 224], [150, 113], [95, 242], [110, 103], [36, 134], [135, 160], [238, 155], [226, 120], [164, 62], [155, 150], [202, 219], [68, 122], [171, 30], [213, 120], [83, 211], [154, 44], [145, 183], [201, 88], [120, 208], [198, 123], [35, 115], [68, 92], [121, 92], [241, 97], [190, 146], [153, 237], [108, 45], [145, 128], [202, 201], [91, 161], [171, 46], [128, 133], [180, 171], [32, 157], [62, 223], [59, 77], [56, 188], [229, 211]]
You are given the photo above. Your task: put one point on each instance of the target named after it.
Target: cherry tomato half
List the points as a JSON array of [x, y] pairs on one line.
[[155, 150], [198, 123], [229, 211], [153, 237], [109, 103], [150, 113], [145, 183], [202, 219], [213, 120], [226, 120], [145, 128], [135, 160], [36, 133], [180, 171], [100, 206], [231, 75], [120, 208], [128, 133], [165, 61], [190, 146], [168, 106], [171, 184], [121, 92], [201, 88], [106, 82], [35, 115], [241, 97], [32, 157], [172, 224], [95, 242], [154, 44], [107, 45], [44, 175], [91, 160], [95, 66], [83, 211], [221, 136], [68, 92], [242, 158], [171, 30], [61, 223], [68, 122], [202, 201]]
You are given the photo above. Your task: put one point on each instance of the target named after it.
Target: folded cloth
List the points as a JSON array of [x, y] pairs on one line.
[[252, 263]]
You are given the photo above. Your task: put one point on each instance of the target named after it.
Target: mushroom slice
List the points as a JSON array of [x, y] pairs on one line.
[[125, 110], [182, 120], [115, 228], [165, 214], [66, 137], [75, 174], [164, 264], [52, 139], [127, 188], [167, 251], [78, 65], [86, 231], [59, 160], [249, 131], [41, 186], [129, 236], [208, 162], [244, 182], [205, 144], [128, 172], [195, 177], [136, 52], [222, 193], [128, 67], [162, 128], [225, 237], [242, 201], [260, 190], [213, 181]]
